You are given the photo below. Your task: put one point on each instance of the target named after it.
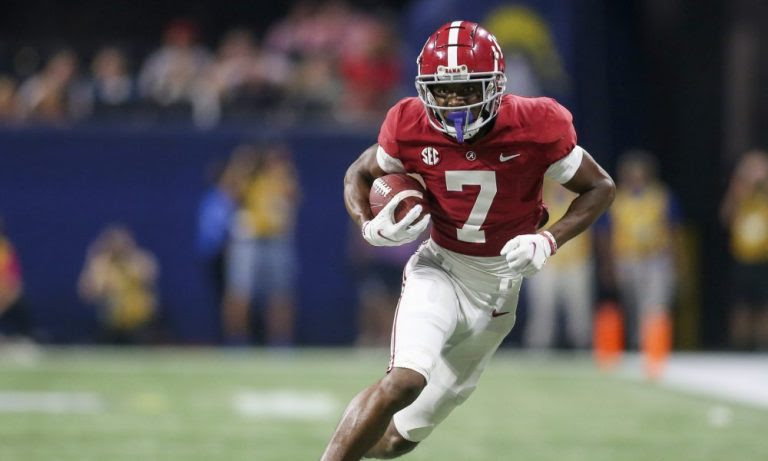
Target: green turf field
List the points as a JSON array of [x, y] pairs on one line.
[[158, 404]]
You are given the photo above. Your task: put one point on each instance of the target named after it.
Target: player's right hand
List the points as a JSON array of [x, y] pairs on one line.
[[384, 231]]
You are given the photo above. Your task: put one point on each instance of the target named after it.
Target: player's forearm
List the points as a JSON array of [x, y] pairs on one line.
[[584, 211], [357, 186]]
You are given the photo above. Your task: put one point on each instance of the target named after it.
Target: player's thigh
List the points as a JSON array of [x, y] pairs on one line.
[[425, 319], [464, 362], [455, 376], [417, 421], [453, 380]]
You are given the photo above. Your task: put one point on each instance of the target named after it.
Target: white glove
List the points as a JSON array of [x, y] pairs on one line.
[[527, 254], [383, 231]]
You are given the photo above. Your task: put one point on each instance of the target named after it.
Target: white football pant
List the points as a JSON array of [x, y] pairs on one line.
[[453, 313]]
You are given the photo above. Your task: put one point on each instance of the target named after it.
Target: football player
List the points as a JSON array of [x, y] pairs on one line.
[[482, 155]]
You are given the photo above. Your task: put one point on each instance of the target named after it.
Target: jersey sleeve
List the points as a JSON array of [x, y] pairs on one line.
[[388, 163], [563, 170], [388, 132], [558, 133]]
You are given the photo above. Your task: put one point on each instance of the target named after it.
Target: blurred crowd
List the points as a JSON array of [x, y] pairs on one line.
[[323, 59], [245, 244], [623, 282], [328, 60]]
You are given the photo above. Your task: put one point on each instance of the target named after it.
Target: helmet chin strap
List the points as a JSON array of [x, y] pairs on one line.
[[460, 120]]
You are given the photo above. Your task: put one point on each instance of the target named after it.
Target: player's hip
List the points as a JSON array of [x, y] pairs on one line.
[[484, 282], [472, 269]]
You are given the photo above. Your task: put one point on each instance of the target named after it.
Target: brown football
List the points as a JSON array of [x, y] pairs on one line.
[[386, 187]]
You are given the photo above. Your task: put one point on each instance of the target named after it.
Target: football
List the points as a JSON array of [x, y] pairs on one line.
[[387, 187]]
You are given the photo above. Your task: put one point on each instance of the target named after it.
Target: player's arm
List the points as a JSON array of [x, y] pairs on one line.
[[357, 185], [528, 253], [380, 230], [596, 191]]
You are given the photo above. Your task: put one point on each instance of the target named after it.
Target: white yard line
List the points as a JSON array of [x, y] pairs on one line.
[[739, 378], [50, 402], [286, 404]]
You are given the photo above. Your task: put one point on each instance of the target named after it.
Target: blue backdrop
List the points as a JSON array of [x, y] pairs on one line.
[[60, 187]]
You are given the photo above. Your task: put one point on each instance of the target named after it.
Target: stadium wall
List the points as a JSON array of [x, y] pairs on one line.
[[60, 187]]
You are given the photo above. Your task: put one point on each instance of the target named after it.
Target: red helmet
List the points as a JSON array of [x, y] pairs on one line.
[[461, 51]]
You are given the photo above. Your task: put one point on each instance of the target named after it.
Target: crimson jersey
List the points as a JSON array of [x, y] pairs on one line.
[[483, 193]]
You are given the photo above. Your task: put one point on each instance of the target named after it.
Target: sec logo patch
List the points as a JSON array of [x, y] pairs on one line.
[[430, 156]]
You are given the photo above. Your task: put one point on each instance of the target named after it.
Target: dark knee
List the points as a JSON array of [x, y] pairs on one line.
[[402, 386], [395, 445], [391, 445]]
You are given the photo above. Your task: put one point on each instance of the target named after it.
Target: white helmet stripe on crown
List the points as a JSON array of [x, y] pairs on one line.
[[496, 51], [453, 39]]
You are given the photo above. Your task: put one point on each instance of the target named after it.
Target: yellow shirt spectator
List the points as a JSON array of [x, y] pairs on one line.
[[749, 229], [641, 222], [270, 201]]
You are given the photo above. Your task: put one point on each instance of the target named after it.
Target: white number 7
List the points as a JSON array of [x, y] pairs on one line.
[[455, 181]]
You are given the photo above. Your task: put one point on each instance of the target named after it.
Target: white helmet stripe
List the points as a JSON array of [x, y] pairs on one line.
[[496, 51], [453, 38]]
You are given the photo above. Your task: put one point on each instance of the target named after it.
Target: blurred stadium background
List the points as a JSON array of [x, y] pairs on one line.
[[112, 114]]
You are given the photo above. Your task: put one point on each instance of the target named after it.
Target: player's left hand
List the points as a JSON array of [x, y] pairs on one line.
[[527, 254]]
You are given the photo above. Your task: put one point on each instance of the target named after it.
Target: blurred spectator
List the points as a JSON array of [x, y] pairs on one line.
[[261, 260], [7, 98], [344, 61], [311, 38], [533, 63], [638, 237], [169, 75], [370, 70], [286, 35], [564, 283], [55, 93], [311, 30], [314, 91], [324, 59], [119, 278], [14, 320], [215, 215], [111, 88], [378, 272], [26, 61], [744, 211], [242, 78]]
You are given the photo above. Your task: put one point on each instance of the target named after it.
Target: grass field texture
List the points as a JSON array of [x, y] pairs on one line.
[[201, 404]]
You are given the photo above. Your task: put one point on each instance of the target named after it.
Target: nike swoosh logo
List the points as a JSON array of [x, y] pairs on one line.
[[495, 313], [386, 238], [504, 158]]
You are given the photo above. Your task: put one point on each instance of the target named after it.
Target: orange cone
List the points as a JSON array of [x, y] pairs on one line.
[[608, 336], [656, 342]]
